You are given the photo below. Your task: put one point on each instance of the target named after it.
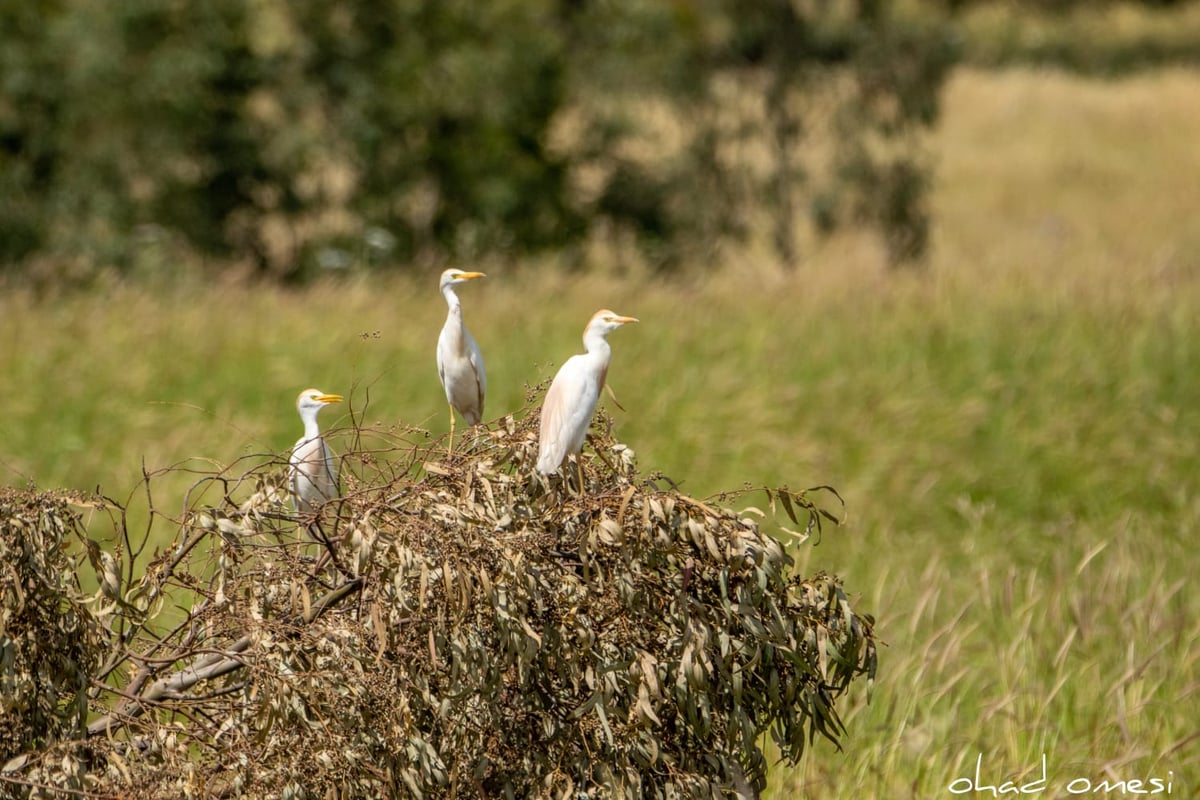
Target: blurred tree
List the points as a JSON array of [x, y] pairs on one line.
[[782, 104], [166, 130], [30, 108], [441, 109], [137, 116], [1063, 5], [425, 127], [1103, 38]]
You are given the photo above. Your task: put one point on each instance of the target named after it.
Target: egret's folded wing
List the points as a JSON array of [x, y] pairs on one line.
[[566, 414], [476, 356]]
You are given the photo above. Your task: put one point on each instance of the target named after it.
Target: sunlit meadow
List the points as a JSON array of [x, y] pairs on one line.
[[1015, 428]]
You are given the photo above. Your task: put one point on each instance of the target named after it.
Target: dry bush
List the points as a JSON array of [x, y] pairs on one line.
[[460, 627], [49, 641]]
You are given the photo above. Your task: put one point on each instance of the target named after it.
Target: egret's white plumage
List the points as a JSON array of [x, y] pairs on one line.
[[573, 394], [460, 363], [313, 474]]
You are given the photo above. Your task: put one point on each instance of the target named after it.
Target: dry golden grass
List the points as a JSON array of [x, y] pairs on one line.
[[1030, 564]]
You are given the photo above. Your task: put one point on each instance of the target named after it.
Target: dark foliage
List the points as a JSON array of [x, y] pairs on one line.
[[389, 130]]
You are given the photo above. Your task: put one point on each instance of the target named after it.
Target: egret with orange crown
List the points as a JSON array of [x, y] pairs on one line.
[[574, 392]]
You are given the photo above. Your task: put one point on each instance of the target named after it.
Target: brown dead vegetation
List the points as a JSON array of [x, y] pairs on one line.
[[447, 628]]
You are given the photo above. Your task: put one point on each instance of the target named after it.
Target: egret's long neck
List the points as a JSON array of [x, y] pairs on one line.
[[454, 328], [597, 345], [309, 417], [599, 352], [453, 302]]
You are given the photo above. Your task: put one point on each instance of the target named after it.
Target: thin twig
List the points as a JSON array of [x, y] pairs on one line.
[[207, 668]]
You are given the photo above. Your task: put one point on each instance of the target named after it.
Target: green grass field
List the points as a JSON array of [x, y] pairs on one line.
[[1015, 430]]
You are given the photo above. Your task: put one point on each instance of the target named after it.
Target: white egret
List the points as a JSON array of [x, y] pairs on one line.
[[460, 364], [573, 394], [313, 475]]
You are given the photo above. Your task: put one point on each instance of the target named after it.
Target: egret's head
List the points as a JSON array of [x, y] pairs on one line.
[[453, 277], [313, 400], [605, 321]]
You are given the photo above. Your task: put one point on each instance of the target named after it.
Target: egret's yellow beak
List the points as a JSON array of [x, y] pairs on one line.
[[624, 320], [470, 276], [329, 398]]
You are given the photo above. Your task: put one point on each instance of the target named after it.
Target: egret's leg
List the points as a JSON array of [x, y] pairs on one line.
[[450, 446]]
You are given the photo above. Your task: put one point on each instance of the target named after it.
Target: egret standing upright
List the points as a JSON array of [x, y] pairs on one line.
[[312, 471], [460, 364], [573, 394]]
